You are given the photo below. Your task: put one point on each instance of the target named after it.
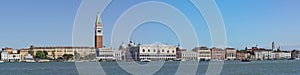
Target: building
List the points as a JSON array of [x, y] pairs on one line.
[[105, 54], [230, 53], [4, 56], [217, 54], [178, 52], [123, 48], [118, 55], [273, 46], [108, 54], [279, 55], [263, 54], [10, 55], [28, 58], [241, 55], [98, 33], [295, 54], [188, 55], [151, 52], [9, 50], [204, 53], [23, 52], [59, 51]]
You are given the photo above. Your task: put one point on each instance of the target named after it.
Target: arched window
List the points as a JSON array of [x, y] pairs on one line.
[[168, 51], [154, 50], [148, 50], [143, 50], [163, 50]]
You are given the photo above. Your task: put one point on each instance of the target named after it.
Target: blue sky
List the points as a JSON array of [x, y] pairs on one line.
[[247, 22]]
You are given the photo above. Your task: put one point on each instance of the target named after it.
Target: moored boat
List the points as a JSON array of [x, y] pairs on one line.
[[145, 60], [246, 60]]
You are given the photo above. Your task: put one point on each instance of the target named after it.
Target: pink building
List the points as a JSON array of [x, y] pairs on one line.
[[217, 53]]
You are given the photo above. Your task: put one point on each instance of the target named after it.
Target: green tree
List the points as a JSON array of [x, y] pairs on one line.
[[68, 56], [91, 56], [45, 54], [31, 52], [77, 55], [53, 54], [41, 54]]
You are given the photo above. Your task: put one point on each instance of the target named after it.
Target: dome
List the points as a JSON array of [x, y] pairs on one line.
[[122, 46]]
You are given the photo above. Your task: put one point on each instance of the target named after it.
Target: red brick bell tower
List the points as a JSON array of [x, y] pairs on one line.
[[98, 33]]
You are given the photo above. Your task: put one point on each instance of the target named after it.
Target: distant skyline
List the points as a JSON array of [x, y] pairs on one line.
[[248, 23]]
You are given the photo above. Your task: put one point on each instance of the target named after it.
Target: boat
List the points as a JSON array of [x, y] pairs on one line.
[[177, 59], [245, 60], [1, 61], [182, 60], [145, 60], [44, 60], [29, 61]]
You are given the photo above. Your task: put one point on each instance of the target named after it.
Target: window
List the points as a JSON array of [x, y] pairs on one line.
[[173, 51], [148, 50], [154, 50], [163, 50], [99, 31], [168, 51], [143, 50]]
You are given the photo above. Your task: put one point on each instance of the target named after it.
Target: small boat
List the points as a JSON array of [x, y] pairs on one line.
[[177, 59], [182, 60], [1, 61], [245, 60], [145, 60], [44, 60], [29, 60]]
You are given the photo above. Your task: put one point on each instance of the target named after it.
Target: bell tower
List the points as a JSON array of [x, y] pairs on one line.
[[98, 32]]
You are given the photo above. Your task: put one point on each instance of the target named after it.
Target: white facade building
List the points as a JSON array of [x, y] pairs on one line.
[[281, 55], [105, 54], [204, 53], [108, 54], [4, 56], [189, 55], [151, 52], [230, 53], [11, 57], [263, 54], [118, 55]]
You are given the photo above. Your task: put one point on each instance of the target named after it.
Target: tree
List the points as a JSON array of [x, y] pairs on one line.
[[77, 55], [53, 54], [68, 56], [41, 54], [91, 56], [31, 52], [45, 53]]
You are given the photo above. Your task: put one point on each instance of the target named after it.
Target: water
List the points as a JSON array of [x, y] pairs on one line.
[[169, 68]]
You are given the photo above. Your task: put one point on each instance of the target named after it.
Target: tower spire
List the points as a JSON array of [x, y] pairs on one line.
[[273, 45], [98, 20]]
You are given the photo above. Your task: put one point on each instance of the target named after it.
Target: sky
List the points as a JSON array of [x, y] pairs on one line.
[[247, 22]]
